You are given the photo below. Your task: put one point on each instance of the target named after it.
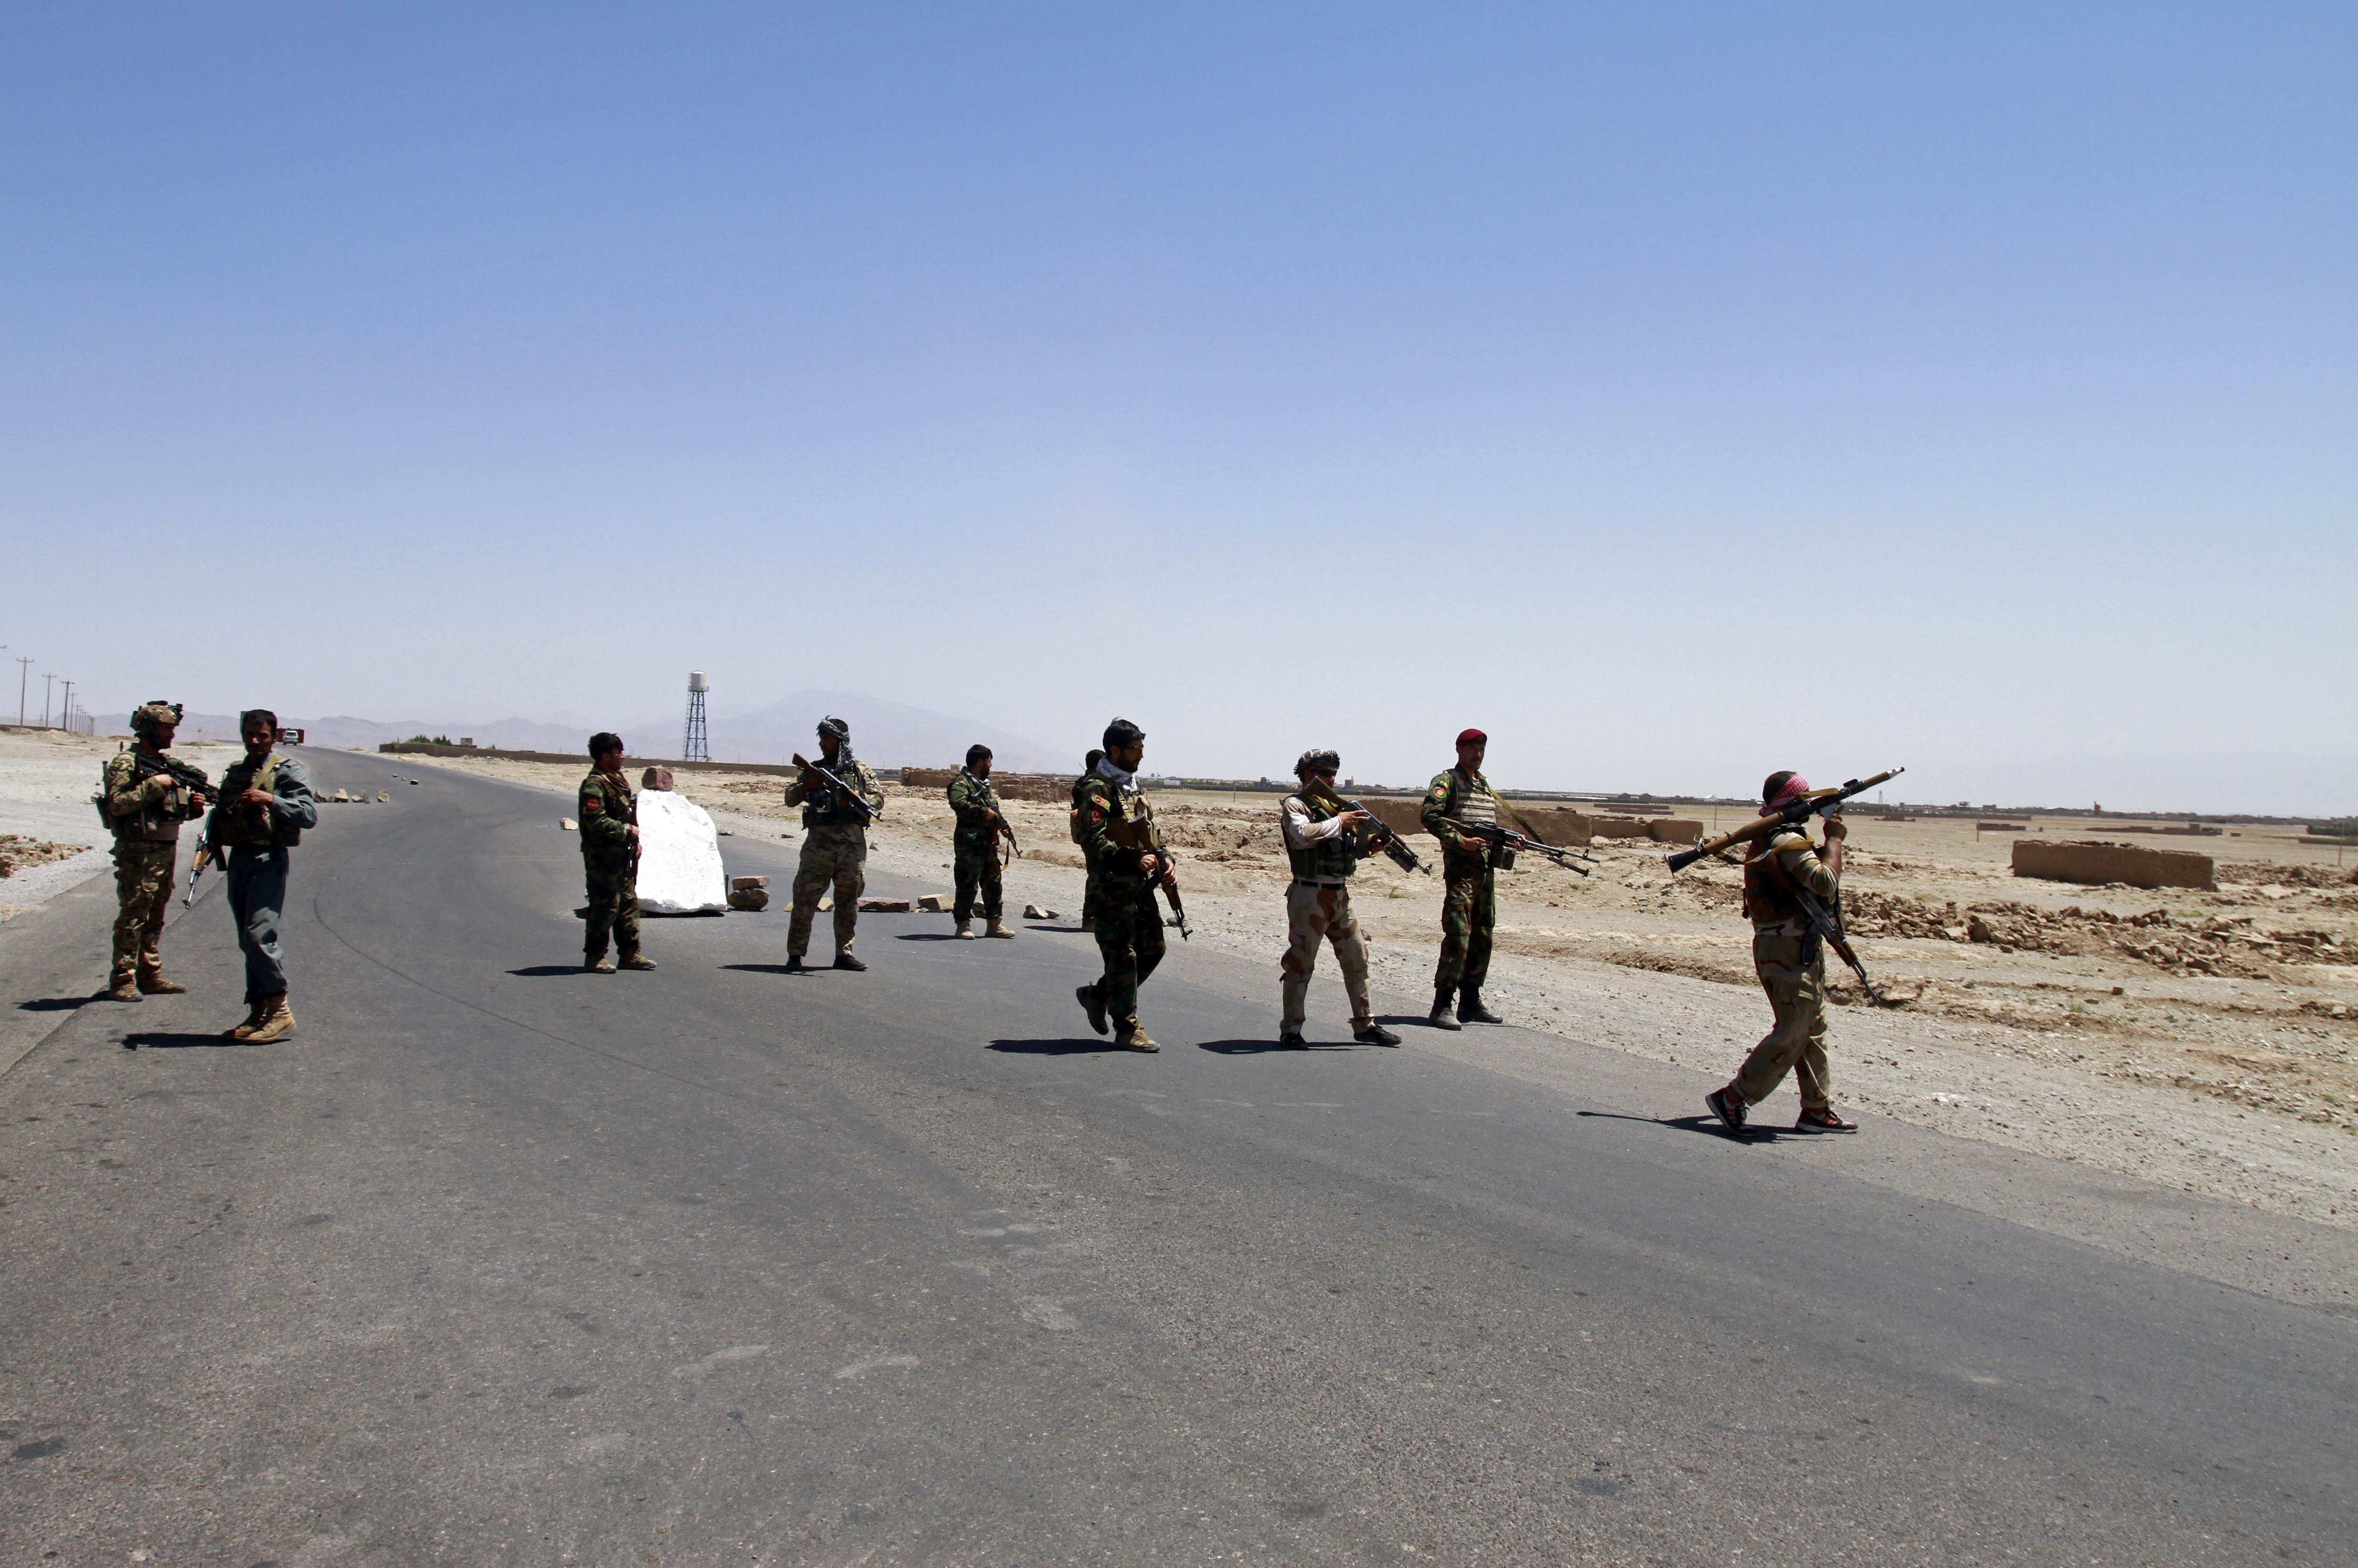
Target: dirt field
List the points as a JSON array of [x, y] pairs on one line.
[[2203, 1040]]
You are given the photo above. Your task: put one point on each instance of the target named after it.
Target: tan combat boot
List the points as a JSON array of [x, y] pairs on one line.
[[998, 928], [245, 1031], [593, 959], [1132, 1036], [965, 932], [276, 1023], [151, 972], [123, 986], [632, 959]]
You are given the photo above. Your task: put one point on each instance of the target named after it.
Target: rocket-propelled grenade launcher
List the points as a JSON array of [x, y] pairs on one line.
[[1817, 803]]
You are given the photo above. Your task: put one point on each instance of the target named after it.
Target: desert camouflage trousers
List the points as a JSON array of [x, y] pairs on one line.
[[143, 893], [1129, 940], [833, 856], [977, 869], [612, 879], [1468, 910], [1313, 915], [1797, 996]]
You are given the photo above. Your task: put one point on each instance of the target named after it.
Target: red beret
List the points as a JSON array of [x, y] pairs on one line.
[[1465, 735]]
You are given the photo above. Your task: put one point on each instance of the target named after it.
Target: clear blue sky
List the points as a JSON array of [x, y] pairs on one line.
[[1678, 392]]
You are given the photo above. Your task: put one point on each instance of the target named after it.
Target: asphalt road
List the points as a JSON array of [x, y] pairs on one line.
[[499, 1262]]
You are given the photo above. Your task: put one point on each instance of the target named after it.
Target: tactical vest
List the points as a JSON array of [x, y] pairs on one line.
[[1323, 859], [1769, 889], [835, 812], [155, 820], [253, 825]]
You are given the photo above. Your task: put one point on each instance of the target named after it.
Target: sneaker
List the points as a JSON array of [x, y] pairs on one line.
[[1727, 1105], [1376, 1035], [1291, 1038], [846, 961], [1092, 1003], [1823, 1119]]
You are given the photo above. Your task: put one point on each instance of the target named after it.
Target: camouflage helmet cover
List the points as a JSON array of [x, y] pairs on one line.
[[155, 715], [1318, 759]]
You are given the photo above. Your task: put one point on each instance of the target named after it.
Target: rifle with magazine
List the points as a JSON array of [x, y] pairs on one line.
[[206, 855], [1132, 834], [1825, 927], [1380, 832], [1506, 843], [852, 797], [1816, 803]]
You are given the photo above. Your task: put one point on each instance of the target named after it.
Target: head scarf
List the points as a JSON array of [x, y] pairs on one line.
[[1795, 788]]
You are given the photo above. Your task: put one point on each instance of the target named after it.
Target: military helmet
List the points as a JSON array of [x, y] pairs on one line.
[[835, 726], [1316, 759], [155, 715], [1122, 734]]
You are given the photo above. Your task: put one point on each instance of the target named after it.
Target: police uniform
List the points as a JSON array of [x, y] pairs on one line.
[[260, 841], [1324, 853], [835, 849], [144, 816]]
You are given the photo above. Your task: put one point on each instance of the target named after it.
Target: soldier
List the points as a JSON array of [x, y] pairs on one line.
[[1326, 846], [1117, 832], [265, 805], [1089, 900], [1469, 899], [145, 796], [1790, 961], [835, 845], [974, 844], [610, 859]]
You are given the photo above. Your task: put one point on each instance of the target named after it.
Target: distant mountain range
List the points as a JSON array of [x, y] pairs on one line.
[[884, 734]]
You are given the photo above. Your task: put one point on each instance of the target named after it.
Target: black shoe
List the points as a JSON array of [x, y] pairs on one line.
[[1376, 1035], [1726, 1105], [1439, 1018], [846, 961], [1470, 1008], [795, 965], [1092, 1003], [1823, 1119], [1292, 1039]]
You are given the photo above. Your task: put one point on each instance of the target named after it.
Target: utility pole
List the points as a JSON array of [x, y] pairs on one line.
[[48, 684], [24, 673], [67, 717]]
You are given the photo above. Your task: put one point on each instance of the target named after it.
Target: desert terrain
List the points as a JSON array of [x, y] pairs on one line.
[[2202, 1040]]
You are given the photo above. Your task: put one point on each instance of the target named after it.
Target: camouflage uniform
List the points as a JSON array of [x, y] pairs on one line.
[[609, 809], [835, 851], [1091, 901], [1470, 888], [258, 839], [1318, 909], [144, 816], [1130, 922], [1791, 965], [974, 845]]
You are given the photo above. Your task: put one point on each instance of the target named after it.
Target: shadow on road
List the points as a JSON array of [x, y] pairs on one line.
[[926, 936], [547, 971], [775, 969], [1065, 1047], [1709, 1126], [1259, 1047], [58, 1003], [160, 1040]]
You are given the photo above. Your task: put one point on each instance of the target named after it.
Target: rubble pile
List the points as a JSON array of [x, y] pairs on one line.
[[18, 853]]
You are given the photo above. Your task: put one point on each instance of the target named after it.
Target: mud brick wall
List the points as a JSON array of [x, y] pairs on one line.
[[1553, 823], [2094, 862], [1010, 786]]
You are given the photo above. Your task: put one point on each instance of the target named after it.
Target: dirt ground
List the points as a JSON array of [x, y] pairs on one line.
[[2202, 1040]]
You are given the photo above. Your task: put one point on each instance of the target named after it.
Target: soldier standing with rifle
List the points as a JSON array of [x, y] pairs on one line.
[[974, 844], [1783, 874], [1469, 901], [266, 804], [1117, 832], [143, 797], [1323, 840], [610, 859], [839, 795]]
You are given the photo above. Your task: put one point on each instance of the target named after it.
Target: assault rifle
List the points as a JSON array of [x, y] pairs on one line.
[[146, 765], [1132, 836], [1006, 830], [1380, 832], [1507, 838], [1817, 803], [1826, 928], [206, 854], [867, 813]]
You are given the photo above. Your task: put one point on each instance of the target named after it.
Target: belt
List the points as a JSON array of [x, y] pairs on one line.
[[1315, 883]]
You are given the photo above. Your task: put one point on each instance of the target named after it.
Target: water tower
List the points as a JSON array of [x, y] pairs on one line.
[[695, 749]]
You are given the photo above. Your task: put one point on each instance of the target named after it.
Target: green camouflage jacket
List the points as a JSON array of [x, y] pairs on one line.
[[976, 804], [1100, 817], [1443, 798], [610, 809], [821, 809]]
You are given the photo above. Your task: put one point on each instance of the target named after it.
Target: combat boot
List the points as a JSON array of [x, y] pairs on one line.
[[278, 1020], [965, 932], [1092, 1001], [1134, 1038], [593, 961], [245, 1031], [998, 928], [151, 972], [632, 959], [1470, 1008], [1439, 1018], [122, 985]]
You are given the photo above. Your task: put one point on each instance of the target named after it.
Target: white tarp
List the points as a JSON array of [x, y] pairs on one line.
[[679, 857]]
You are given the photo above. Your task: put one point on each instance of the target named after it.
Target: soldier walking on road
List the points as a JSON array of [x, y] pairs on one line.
[[974, 844], [834, 844], [610, 859], [145, 795], [266, 804], [1790, 960], [1117, 831], [1324, 844], [1469, 899], [1089, 897]]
